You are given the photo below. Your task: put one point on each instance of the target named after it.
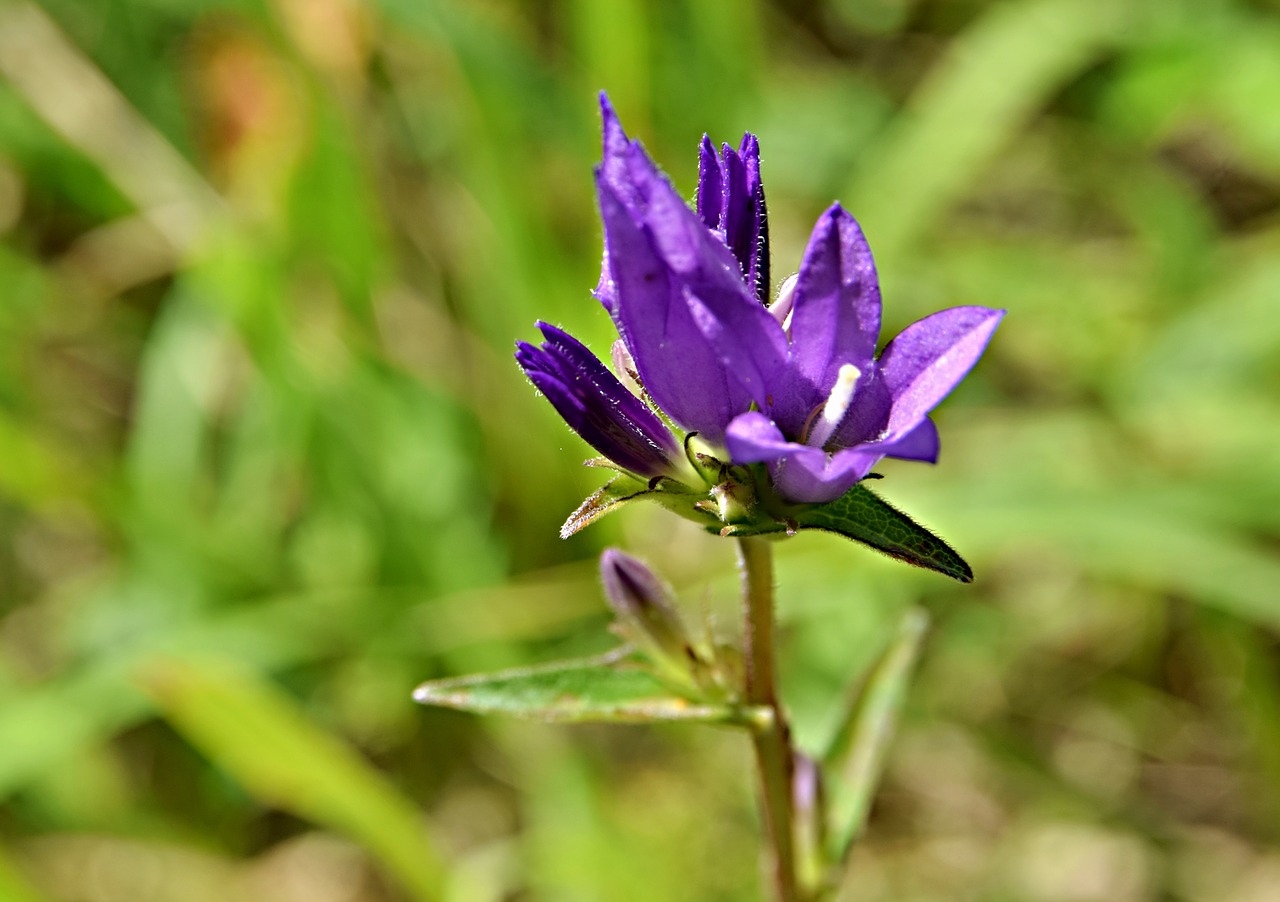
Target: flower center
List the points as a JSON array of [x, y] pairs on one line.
[[836, 407]]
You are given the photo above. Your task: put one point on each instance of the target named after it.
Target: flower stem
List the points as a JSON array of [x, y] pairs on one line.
[[772, 739]]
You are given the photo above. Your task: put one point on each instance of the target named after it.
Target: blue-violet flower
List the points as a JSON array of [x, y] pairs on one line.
[[794, 385]]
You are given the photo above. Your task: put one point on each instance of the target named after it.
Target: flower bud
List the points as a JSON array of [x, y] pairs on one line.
[[644, 606]]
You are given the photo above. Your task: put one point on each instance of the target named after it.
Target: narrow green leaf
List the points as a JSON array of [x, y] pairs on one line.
[[262, 739], [853, 763], [865, 517], [611, 688]]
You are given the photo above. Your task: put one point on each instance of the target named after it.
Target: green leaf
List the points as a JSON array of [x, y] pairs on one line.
[[865, 517], [262, 738], [611, 688], [862, 515], [853, 763]]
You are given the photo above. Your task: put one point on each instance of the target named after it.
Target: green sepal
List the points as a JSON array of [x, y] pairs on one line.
[[625, 488], [611, 688], [609, 497], [862, 515]]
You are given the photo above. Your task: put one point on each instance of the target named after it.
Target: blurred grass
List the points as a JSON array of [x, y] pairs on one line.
[[263, 266]]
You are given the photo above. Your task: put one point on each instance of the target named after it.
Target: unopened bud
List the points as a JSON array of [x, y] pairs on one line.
[[646, 612]]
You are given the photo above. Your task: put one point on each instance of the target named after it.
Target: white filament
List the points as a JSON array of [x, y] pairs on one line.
[[837, 405]]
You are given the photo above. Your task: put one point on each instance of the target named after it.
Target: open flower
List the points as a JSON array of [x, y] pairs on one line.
[[795, 386]]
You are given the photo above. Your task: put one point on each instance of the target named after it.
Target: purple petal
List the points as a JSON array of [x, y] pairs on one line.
[[749, 345], [710, 184], [731, 201], [810, 478], [596, 405], [758, 249], [614, 164], [737, 220], [753, 438], [836, 317], [613, 169], [929, 358], [920, 443], [743, 221], [801, 473], [868, 415], [748, 340], [679, 368]]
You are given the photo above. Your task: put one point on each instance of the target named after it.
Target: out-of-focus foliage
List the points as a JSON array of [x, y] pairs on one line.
[[266, 463]]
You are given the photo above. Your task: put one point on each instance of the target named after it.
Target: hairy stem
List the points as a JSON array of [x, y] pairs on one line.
[[771, 737]]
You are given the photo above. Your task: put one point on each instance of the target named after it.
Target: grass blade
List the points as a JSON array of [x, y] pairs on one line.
[[263, 740]]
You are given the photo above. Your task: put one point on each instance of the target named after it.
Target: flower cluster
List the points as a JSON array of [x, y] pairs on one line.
[[790, 391]]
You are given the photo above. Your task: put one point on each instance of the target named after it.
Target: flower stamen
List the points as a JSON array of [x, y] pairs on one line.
[[836, 407]]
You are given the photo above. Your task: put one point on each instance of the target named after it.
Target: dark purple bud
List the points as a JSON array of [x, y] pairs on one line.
[[597, 406], [646, 611], [731, 202]]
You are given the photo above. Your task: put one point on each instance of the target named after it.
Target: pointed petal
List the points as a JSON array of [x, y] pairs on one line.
[[758, 270], [738, 219], [921, 443], [613, 169], [710, 184], [801, 473], [680, 369], [613, 163], [596, 405], [929, 358], [837, 303]]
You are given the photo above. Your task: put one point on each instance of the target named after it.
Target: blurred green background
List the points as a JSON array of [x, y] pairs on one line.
[[266, 462]]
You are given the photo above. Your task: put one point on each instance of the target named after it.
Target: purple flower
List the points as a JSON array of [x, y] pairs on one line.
[[795, 386]]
